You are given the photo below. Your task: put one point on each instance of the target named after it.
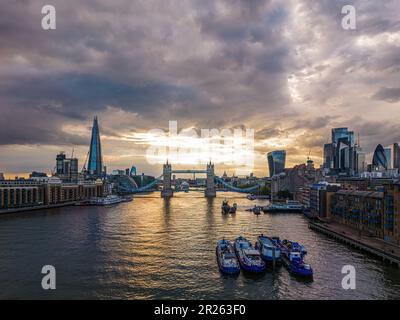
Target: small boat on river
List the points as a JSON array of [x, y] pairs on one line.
[[249, 258], [268, 248], [226, 258], [286, 207], [225, 207], [293, 258], [256, 210], [104, 201]]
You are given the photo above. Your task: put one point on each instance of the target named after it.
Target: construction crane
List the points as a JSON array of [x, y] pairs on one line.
[[84, 164], [70, 169]]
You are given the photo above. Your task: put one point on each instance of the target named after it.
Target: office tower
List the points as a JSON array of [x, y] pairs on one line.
[[361, 161], [396, 156], [344, 158], [340, 156], [329, 153], [60, 163], [95, 165], [388, 154], [276, 162], [379, 159], [340, 133], [66, 168]]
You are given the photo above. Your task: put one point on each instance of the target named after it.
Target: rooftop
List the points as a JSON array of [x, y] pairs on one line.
[[359, 193]]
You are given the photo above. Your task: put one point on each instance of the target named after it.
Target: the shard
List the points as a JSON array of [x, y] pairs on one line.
[[95, 165]]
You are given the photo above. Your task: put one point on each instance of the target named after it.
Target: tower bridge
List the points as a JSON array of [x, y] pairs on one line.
[[167, 191], [211, 180]]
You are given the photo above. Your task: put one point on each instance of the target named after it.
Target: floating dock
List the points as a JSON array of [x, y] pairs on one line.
[[376, 247]]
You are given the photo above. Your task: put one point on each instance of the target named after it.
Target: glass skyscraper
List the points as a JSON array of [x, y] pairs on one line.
[[329, 156], [379, 159], [343, 133], [343, 154], [95, 165], [396, 156], [388, 154], [276, 162]]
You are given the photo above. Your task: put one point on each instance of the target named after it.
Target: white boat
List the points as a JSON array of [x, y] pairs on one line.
[[288, 206], [268, 248], [104, 201]]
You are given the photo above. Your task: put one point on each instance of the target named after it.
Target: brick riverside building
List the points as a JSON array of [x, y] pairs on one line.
[[31, 193]]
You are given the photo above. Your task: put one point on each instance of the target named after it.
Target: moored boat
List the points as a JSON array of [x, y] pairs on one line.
[[251, 197], [249, 258], [104, 201], [233, 208], [254, 197], [287, 207], [293, 257], [226, 258], [127, 198], [256, 210], [268, 248]]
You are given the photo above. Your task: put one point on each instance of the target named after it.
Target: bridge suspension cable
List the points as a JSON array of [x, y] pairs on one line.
[[149, 185], [246, 190]]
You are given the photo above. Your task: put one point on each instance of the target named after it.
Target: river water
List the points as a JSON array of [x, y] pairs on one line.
[[156, 249]]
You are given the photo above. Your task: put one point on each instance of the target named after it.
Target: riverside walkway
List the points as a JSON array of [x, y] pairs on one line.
[[375, 246]]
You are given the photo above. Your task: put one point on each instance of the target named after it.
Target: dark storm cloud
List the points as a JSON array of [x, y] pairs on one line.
[[265, 64], [133, 57], [81, 94], [25, 125]]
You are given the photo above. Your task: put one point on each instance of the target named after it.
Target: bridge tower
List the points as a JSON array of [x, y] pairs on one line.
[[167, 190], [210, 191]]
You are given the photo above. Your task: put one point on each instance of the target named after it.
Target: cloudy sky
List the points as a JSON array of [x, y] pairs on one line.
[[286, 69]]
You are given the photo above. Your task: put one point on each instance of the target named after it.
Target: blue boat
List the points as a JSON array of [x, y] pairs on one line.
[[268, 248], [226, 258], [293, 258], [249, 258]]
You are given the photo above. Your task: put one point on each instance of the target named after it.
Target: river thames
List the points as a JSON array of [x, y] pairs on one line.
[[152, 248]]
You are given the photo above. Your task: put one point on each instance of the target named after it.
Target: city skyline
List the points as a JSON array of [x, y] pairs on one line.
[[287, 70], [95, 139]]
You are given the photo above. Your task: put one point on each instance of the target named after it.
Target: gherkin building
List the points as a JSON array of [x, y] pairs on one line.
[[379, 159]]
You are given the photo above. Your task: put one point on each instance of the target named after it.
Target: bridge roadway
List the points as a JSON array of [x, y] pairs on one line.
[[188, 171]]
